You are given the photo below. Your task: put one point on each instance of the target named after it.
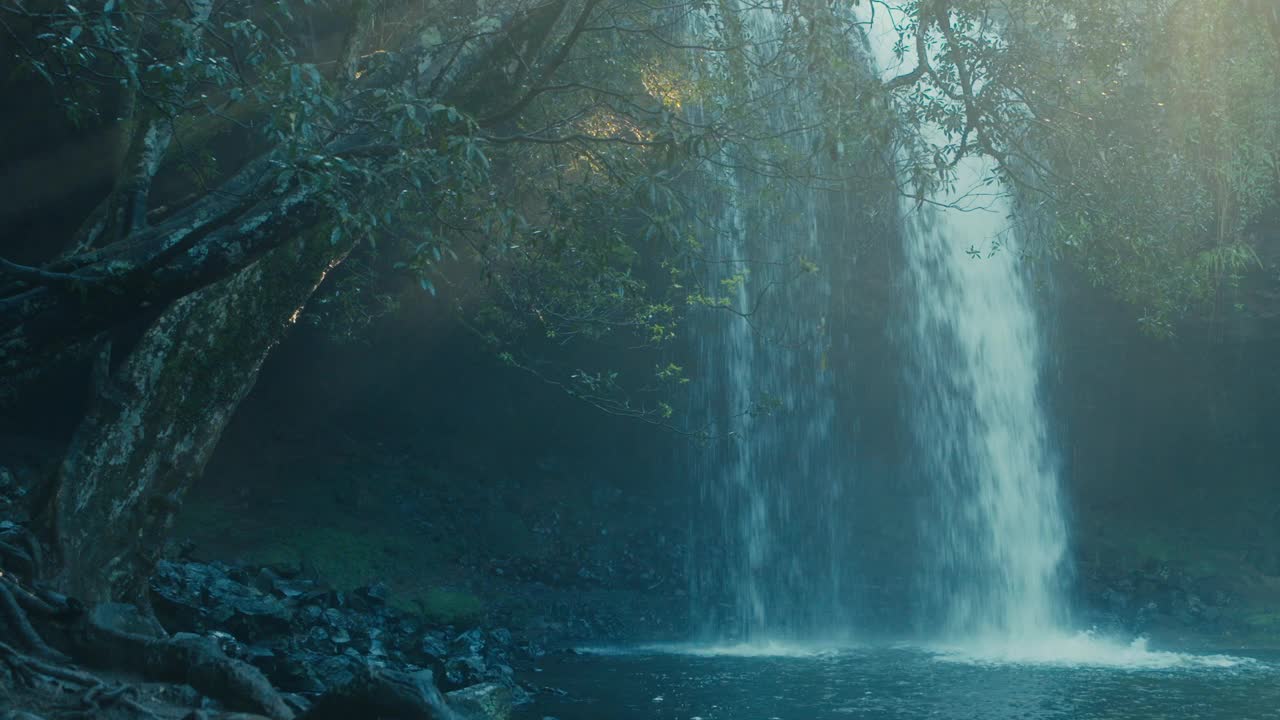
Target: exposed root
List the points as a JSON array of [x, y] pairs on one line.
[[28, 666], [96, 695], [21, 626], [33, 603], [121, 637], [16, 557], [107, 638], [101, 696], [113, 636], [29, 556]]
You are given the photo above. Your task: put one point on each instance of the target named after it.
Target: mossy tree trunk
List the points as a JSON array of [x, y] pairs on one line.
[[156, 419], [228, 272]]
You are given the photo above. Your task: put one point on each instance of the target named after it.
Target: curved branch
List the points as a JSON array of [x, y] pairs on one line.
[[924, 19], [37, 276], [972, 113]]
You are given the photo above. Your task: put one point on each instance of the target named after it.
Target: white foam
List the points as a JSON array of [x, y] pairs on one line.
[[1081, 649]]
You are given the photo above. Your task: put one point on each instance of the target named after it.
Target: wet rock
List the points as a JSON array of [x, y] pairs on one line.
[[371, 597], [291, 589], [470, 642], [200, 598], [293, 672], [461, 671], [376, 649], [297, 703], [123, 618], [433, 645], [376, 692], [229, 644], [487, 701], [337, 670], [310, 641], [265, 580], [501, 637]]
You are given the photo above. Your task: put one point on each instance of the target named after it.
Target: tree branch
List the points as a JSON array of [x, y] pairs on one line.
[[562, 54], [33, 275], [924, 19]]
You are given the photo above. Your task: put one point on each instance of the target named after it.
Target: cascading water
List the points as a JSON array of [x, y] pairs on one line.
[[772, 555], [768, 565], [996, 537], [997, 530]]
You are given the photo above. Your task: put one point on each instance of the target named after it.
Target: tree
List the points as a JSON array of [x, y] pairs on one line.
[[536, 156], [256, 150], [1145, 131]]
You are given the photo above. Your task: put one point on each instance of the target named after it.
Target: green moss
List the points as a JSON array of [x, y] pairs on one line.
[[341, 557], [441, 605], [347, 558]]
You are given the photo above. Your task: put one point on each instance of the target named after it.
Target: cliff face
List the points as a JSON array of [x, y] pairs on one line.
[[1170, 457]]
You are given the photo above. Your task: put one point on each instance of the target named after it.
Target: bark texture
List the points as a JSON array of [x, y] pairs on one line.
[[156, 419]]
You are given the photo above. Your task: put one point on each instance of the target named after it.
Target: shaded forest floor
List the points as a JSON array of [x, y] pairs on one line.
[[553, 554], [562, 557], [1201, 566]]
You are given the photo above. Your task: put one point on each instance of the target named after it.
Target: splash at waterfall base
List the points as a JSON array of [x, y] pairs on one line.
[[902, 684], [947, 439]]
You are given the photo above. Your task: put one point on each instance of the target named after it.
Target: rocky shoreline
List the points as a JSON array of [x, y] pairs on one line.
[[312, 642], [308, 639]]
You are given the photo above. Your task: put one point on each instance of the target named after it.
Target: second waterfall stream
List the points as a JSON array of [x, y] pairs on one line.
[[995, 535]]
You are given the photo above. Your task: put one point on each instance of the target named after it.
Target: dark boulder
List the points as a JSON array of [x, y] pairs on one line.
[[200, 598]]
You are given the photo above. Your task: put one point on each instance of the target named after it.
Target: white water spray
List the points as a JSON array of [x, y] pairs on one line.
[[996, 536], [769, 566]]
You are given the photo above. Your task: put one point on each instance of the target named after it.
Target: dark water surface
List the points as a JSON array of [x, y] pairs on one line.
[[905, 683]]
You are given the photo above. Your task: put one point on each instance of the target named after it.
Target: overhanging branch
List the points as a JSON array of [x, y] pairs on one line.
[[924, 19]]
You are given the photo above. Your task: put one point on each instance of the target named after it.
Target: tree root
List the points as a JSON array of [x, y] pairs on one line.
[[29, 556], [121, 637], [108, 637], [200, 663], [16, 556], [19, 715], [97, 695], [45, 604], [21, 626], [101, 696], [118, 636]]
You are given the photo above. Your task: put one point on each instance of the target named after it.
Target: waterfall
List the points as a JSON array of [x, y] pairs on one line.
[[768, 564], [995, 535], [996, 528], [772, 554]]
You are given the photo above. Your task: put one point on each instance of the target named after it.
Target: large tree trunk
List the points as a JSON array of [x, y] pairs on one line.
[[156, 419]]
